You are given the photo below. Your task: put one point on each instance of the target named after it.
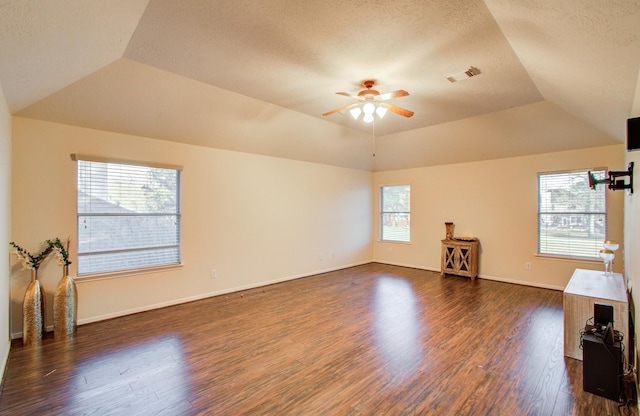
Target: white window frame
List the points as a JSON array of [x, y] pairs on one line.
[[581, 239], [125, 256], [399, 215]]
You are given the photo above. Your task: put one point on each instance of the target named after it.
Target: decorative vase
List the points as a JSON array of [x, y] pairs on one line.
[[33, 313], [65, 306], [449, 230]]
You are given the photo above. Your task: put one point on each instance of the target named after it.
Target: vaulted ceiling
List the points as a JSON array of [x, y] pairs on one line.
[[257, 76]]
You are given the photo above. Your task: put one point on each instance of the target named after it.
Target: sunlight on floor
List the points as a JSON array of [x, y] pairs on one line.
[[396, 325], [151, 372]]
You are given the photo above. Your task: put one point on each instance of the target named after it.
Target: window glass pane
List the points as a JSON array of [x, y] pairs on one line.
[[572, 219], [395, 213], [396, 198], [128, 217]]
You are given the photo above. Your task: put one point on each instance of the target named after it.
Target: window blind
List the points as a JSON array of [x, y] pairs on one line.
[[572, 218], [395, 213], [128, 216]]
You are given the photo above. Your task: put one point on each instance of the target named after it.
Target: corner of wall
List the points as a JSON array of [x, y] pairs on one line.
[[5, 229], [632, 232]]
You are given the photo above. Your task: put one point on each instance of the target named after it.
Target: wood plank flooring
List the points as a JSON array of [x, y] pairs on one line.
[[368, 340]]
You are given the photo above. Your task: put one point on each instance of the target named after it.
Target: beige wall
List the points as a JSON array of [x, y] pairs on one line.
[[632, 223], [632, 236], [255, 219], [5, 227], [495, 201], [258, 219]]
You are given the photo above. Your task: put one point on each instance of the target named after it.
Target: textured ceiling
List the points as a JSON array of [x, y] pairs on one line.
[[257, 76]]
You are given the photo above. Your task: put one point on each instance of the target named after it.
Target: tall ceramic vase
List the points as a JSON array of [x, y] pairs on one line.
[[65, 306], [33, 312]]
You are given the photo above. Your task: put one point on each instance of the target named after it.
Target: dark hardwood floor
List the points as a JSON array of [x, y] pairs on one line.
[[368, 340]]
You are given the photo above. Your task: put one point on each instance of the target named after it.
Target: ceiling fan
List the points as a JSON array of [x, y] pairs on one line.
[[371, 101]]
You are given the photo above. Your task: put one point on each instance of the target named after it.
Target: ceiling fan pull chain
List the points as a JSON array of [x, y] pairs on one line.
[[373, 136]]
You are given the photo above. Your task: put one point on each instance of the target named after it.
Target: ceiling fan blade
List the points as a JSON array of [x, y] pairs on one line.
[[346, 94], [394, 94], [339, 109], [397, 110]]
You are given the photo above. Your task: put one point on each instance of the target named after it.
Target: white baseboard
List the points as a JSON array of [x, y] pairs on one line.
[[179, 301], [271, 282], [210, 294], [3, 363], [411, 266], [497, 279], [523, 283]]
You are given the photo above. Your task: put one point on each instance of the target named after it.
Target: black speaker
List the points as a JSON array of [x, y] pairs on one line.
[[633, 133], [602, 314], [602, 367]]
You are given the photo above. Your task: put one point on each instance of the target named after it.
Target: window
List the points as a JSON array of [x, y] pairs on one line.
[[572, 218], [395, 213], [128, 216]]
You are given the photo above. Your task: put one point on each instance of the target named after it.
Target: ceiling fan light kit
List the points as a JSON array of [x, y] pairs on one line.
[[368, 109], [372, 102], [381, 111]]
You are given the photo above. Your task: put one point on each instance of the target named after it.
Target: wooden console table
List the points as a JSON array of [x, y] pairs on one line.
[[459, 257], [585, 288]]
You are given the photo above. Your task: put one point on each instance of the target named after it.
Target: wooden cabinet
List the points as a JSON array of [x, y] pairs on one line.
[[585, 288], [459, 257]]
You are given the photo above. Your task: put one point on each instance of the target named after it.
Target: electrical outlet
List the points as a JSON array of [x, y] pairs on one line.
[[214, 273], [527, 265]]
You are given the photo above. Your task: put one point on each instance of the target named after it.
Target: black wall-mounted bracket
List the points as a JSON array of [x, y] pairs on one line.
[[613, 181]]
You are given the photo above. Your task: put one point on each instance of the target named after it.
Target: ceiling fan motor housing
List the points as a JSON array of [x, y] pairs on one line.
[[368, 92]]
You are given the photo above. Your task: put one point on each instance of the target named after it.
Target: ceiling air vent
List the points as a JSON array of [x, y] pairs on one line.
[[459, 76]]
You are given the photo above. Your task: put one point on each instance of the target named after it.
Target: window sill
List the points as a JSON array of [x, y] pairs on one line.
[[125, 273], [567, 258], [395, 242]]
